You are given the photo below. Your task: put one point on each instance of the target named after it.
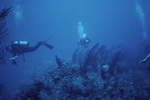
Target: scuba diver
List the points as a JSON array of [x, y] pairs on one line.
[[21, 47], [84, 41]]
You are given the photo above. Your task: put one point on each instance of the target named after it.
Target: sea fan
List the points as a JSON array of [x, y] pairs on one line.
[[2, 55], [91, 58], [3, 32]]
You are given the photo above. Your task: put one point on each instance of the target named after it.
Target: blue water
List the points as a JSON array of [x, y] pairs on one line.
[[109, 22]]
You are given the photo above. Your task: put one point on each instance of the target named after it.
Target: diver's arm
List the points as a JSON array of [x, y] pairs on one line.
[[144, 60]]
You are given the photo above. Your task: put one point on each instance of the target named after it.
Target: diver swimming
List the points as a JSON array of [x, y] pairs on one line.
[[84, 40], [21, 47]]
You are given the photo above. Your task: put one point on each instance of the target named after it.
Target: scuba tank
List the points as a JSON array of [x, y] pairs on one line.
[[22, 43]]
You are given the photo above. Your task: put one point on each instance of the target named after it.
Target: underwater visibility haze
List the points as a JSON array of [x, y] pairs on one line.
[[74, 49]]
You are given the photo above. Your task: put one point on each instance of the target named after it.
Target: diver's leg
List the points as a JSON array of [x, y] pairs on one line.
[[31, 49]]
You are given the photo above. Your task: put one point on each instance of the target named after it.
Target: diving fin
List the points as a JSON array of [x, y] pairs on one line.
[[49, 46]]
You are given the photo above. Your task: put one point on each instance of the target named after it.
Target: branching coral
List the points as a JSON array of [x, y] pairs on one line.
[[93, 55], [92, 58], [2, 55], [3, 32], [3, 29]]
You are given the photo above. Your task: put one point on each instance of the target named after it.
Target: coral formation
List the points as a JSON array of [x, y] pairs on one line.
[[3, 32], [103, 74]]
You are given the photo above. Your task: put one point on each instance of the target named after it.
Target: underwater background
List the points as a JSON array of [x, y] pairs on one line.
[[107, 22]]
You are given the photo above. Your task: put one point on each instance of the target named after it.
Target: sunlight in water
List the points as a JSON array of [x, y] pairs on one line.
[[141, 16], [18, 12]]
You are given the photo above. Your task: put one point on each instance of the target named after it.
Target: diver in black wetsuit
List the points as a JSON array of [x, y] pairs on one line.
[[21, 47]]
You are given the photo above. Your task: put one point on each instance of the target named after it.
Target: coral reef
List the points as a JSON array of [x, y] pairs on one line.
[[3, 32], [1, 89], [59, 61], [103, 74], [2, 55]]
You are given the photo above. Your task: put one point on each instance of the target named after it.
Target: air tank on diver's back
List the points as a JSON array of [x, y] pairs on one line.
[[23, 43]]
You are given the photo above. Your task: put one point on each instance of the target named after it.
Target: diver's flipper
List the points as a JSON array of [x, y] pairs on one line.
[[49, 46], [45, 41]]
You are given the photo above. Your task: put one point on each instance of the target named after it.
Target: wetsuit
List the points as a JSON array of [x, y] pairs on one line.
[[17, 49]]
